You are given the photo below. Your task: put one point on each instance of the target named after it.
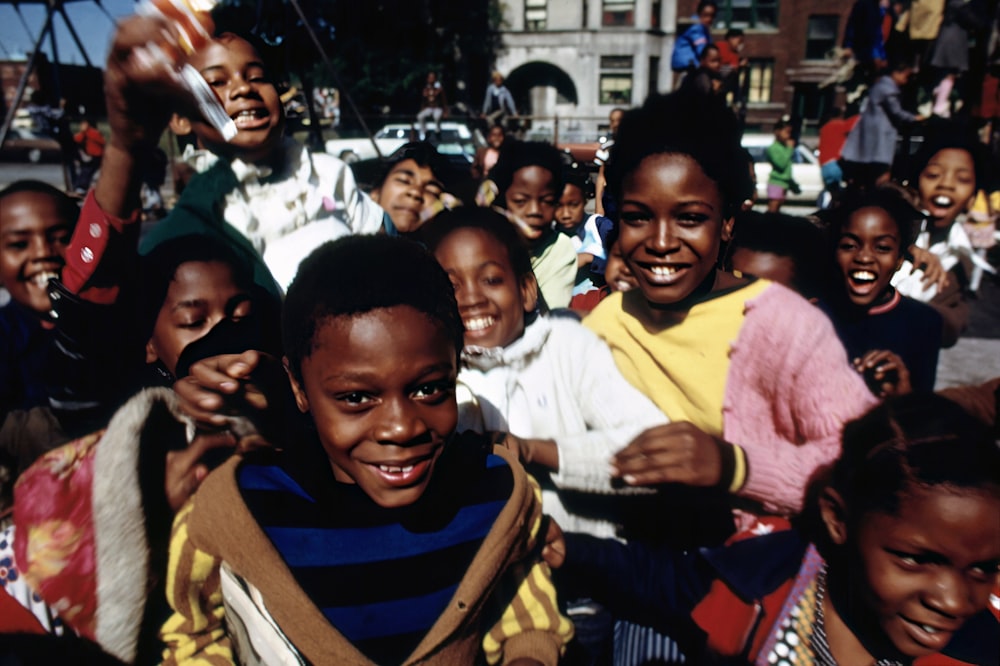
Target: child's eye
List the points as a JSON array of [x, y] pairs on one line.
[[635, 217], [493, 280], [432, 390], [845, 246], [17, 245], [216, 83], [354, 398], [692, 219], [985, 570], [885, 248], [192, 324]]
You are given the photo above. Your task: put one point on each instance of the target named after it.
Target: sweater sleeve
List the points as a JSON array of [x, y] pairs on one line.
[[531, 625], [616, 412], [195, 633], [790, 393]]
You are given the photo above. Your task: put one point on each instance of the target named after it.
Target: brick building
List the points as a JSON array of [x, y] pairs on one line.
[[578, 59], [788, 43]]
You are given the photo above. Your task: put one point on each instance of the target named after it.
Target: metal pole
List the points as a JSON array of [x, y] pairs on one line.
[[19, 95], [76, 37]]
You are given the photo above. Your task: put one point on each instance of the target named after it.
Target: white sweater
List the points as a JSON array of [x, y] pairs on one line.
[[558, 381]]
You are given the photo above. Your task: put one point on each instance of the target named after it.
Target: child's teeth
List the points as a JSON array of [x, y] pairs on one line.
[[863, 275], [663, 270], [478, 323], [41, 280], [389, 469], [928, 629], [942, 201]]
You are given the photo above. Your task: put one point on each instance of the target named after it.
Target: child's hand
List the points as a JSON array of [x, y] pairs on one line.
[[884, 372], [542, 452], [185, 469], [930, 264], [221, 385], [554, 552], [140, 85], [678, 452]]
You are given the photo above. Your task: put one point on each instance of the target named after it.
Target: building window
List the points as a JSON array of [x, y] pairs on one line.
[[616, 80], [618, 13], [536, 14], [749, 13], [655, 11], [821, 36], [761, 77], [654, 75]]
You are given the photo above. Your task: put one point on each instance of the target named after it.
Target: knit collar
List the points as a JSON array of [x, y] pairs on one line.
[[517, 354]]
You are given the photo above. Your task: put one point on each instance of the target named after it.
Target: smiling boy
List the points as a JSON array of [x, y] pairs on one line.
[[377, 534], [36, 221]]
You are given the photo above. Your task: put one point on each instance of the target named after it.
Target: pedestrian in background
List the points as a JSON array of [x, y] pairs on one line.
[[90, 149]]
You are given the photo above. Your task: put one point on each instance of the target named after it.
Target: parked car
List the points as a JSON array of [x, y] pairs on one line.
[[25, 145], [456, 139], [805, 169]]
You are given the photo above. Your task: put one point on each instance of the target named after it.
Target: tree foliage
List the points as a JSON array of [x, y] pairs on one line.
[[381, 50]]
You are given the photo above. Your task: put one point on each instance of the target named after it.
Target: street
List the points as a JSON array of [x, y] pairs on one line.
[[973, 360]]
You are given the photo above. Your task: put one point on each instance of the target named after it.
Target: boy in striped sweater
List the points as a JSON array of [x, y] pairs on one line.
[[377, 534]]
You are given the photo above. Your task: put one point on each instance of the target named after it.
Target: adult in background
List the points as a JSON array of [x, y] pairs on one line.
[[871, 145]]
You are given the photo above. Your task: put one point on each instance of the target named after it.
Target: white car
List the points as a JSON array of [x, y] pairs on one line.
[[455, 138], [805, 169]]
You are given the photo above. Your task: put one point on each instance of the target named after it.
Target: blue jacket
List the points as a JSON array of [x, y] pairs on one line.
[[688, 47]]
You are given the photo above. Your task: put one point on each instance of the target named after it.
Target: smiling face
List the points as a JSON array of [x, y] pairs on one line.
[[409, 195], [33, 240], [947, 185], [233, 68], [532, 199], [671, 226], [869, 252], [570, 212], [380, 387], [495, 136], [491, 299], [919, 575], [707, 15], [617, 274], [201, 294]]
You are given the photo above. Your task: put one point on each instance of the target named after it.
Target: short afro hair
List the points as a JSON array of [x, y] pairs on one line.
[[488, 221], [517, 155], [67, 206], [683, 123], [357, 274]]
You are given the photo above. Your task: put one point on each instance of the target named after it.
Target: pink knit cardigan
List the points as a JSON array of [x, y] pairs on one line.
[[789, 392]]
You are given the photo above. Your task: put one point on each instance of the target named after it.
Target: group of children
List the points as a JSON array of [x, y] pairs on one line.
[[433, 461]]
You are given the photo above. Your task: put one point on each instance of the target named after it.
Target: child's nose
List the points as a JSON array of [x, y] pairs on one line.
[[42, 248], [401, 424], [951, 594]]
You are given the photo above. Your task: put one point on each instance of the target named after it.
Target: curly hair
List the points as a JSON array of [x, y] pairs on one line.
[[517, 155], [357, 274], [683, 123]]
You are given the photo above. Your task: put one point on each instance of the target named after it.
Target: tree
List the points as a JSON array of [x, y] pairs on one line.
[[381, 51]]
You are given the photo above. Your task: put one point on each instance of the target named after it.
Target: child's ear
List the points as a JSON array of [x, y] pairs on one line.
[[529, 292], [301, 401], [375, 194], [151, 354], [727, 229], [834, 513], [180, 125]]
